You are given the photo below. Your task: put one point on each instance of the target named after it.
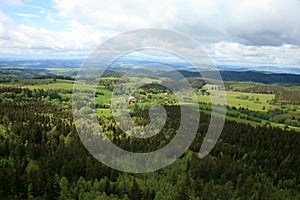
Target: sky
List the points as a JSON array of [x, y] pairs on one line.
[[232, 32]]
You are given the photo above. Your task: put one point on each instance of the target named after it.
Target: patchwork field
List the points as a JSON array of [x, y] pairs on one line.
[[247, 107]]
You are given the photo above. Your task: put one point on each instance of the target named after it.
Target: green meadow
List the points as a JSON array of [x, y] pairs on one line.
[[236, 99]]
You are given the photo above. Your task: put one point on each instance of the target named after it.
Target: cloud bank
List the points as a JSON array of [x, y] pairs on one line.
[[258, 32]]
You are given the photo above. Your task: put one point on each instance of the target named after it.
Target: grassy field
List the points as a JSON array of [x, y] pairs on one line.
[[41, 84], [247, 100], [103, 112], [105, 98], [237, 99]]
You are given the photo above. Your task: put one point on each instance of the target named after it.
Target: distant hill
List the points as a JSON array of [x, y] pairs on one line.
[[263, 69], [227, 75], [260, 77], [23, 73], [41, 64], [247, 76]]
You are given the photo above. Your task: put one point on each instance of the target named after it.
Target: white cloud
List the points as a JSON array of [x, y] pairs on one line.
[[3, 33], [3, 17], [235, 53], [257, 22], [257, 31], [25, 15], [39, 40]]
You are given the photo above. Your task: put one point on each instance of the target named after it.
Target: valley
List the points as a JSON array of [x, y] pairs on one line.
[[41, 155]]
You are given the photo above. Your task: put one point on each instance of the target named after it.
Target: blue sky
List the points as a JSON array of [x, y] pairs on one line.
[[39, 14], [233, 32]]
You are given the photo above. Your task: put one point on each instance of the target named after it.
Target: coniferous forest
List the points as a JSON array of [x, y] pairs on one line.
[[149, 100], [42, 157]]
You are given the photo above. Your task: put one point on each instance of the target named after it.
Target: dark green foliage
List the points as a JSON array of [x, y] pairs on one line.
[[25, 94], [135, 191], [247, 76], [42, 157]]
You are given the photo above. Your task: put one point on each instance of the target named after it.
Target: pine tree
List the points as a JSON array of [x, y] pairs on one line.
[[135, 192]]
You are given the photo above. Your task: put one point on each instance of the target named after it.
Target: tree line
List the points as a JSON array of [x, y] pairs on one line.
[[42, 157]]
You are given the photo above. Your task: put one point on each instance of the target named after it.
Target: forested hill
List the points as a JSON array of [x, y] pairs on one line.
[[42, 157], [247, 76], [251, 76]]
